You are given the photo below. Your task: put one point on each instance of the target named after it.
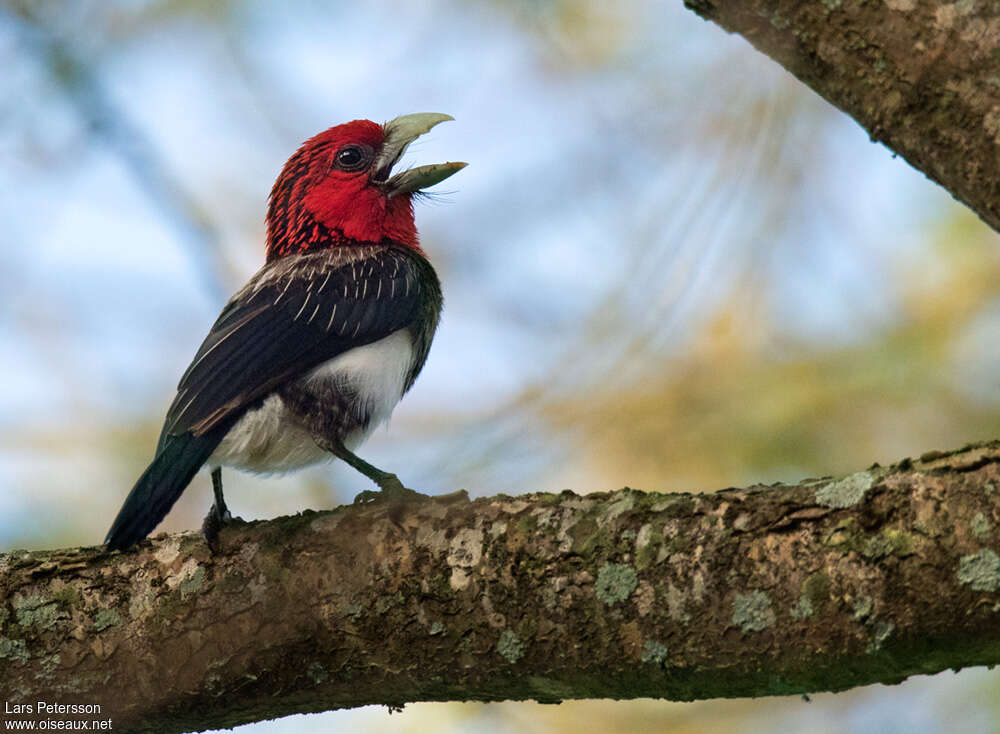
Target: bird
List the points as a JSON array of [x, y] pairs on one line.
[[316, 350]]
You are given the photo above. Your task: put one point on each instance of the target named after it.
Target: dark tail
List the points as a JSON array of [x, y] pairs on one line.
[[177, 461]]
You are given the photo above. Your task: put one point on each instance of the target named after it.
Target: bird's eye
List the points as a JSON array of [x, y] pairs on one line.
[[353, 157]]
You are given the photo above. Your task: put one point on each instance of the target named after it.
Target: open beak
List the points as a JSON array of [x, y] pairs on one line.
[[399, 133]]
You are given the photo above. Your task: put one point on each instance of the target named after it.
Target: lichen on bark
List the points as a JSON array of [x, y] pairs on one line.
[[743, 592]]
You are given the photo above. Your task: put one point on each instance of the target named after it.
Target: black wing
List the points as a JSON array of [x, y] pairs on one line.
[[293, 316]]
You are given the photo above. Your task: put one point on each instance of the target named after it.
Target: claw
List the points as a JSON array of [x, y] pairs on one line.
[[213, 523], [390, 490], [369, 495]]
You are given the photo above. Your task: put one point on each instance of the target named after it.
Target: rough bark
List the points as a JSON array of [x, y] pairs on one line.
[[921, 76], [824, 585]]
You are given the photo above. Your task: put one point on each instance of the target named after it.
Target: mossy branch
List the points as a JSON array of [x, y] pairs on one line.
[[824, 585], [921, 76]]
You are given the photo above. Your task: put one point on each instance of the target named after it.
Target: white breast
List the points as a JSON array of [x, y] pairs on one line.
[[268, 439]]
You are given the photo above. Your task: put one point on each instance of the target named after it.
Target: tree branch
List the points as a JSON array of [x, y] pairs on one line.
[[921, 76], [824, 585]]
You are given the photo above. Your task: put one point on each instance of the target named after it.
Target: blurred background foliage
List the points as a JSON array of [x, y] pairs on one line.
[[669, 266]]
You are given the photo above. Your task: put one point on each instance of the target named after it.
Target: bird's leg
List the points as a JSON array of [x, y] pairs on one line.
[[388, 483], [219, 506], [218, 515]]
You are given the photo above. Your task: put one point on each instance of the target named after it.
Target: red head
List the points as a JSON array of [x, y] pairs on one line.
[[336, 190]]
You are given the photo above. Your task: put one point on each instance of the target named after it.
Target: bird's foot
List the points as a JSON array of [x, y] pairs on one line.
[[217, 516], [390, 489]]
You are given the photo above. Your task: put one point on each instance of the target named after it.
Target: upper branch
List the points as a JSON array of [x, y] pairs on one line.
[[921, 76], [824, 585]]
